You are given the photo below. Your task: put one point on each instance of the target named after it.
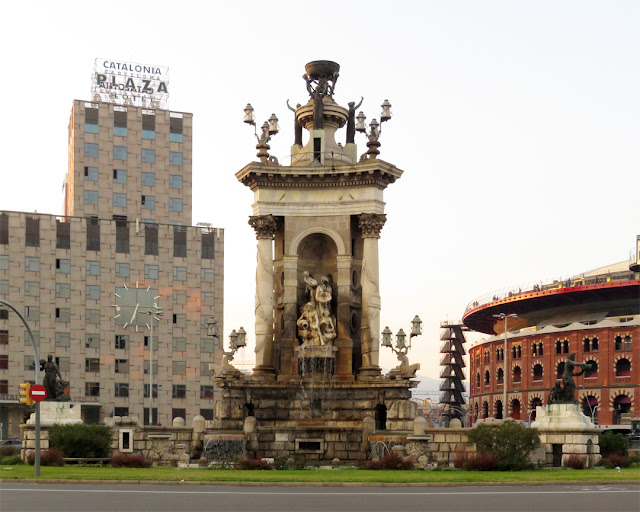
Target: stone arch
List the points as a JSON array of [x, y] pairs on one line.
[[590, 392], [617, 392], [293, 246], [620, 367]]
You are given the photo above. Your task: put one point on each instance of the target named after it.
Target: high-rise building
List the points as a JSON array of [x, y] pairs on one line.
[[92, 281]]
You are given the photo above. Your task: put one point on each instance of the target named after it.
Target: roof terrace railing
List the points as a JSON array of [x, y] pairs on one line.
[[572, 282]]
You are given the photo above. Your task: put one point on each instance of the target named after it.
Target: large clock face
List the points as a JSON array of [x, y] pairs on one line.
[[135, 305]]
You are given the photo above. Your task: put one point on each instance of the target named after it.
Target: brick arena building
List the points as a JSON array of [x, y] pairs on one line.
[[595, 315]]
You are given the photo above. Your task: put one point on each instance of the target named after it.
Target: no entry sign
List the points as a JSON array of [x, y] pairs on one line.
[[38, 392]]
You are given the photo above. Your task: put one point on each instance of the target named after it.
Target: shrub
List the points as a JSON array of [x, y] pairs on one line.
[[85, 441], [614, 460], [612, 442], [50, 457], [293, 461], [391, 461], [252, 463], [134, 460], [482, 462], [459, 460], [7, 451], [11, 460], [576, 461], [510, 441]]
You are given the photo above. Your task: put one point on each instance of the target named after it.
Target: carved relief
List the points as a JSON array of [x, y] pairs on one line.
[[264, 225], [371, 224]]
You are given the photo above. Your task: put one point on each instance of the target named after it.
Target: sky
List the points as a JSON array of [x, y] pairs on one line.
[[515, 123]]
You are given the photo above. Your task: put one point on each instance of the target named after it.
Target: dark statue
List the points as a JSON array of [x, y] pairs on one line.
[[351, 121], [563, 391], [296, 125], [57, 388]]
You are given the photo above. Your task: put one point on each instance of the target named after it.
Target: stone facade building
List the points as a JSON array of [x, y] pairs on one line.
[[126, 225]]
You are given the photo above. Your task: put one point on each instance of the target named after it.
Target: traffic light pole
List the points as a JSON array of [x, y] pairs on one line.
[[36, 466]]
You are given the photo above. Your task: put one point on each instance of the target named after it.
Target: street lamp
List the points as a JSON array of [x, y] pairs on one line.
[[153, 314], [237, 340], [401, 346], [504, 316], [375, 128], [269, 128]]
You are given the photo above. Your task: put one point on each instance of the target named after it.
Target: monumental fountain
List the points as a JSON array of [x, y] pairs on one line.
[[317, 388]]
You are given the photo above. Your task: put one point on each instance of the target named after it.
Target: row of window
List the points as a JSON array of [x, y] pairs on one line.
[[148, 179], [622, 369], [148, 156], [121, 389], [120, 124], [120, 200]]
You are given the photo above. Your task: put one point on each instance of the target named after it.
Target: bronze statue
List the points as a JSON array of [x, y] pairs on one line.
[[566, 393], [297, 127], [351, 120], [322, 89], [53, 382]]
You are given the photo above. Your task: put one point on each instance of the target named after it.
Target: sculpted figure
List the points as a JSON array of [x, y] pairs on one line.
[[321, 90], [297, 127], [52, 381], [566, 395], [315, 325], [351, 120]]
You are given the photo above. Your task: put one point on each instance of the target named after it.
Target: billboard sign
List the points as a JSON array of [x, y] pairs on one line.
[[130, 83]]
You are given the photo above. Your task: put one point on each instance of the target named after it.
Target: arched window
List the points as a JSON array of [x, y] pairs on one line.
[[499, 409], [381, 417], [537, 372], [475, 408], [517, 374], [590, 407], [565, 346], [618, 342], [515, 409], [485, 410], [627, 342], [623, 368], [621, 405], [478, 379], [519, 351], [558, 347], [586, 345], [594, 345], [535, 402], [487, 378], [514, 351], [540, 349], [592, 371], [559, 370], [499, 376]]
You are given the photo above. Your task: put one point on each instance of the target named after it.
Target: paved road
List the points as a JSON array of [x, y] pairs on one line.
[[18, 497]]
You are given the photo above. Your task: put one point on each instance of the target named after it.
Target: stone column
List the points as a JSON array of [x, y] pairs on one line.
[[265, 226], [370, 225]]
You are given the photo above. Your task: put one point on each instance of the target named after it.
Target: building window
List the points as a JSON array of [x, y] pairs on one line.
[[120, 123], [151, 271], [206, 392], [4, 229], [207, 275], [92, 389], [205, 371], [151, 239], [592, 371], [4, 362], [148, 202], [122, 366], [63, 266], [586, 345], [175, 181], [207, 414], [4, 314], [155, 347], [175, 204], [148, 126], [90, 197], [90, 150], [122, 341], [565, 346], [63, 315], [178, 413], [179, 344], [175, 127], [179, 391], [627, 342], [32, 232], [63, 291], [175, 158], [155, 367], [207, 298], [517, 374], [29, 363], [149, 179], [32, 289], [623, 367], [91, 173], [500, 376], [4, 337], [63, 339], [155, 390], [120, 153], [208, 246], [93, 268], [32, 313], [179, 320], [179, 242], [90, 120], [179, 273], [64, 364], [537, 372], [122, 270], [594, 345], [151, 419], [148, 156], [93, 235], [559, 370], [487, 378], [36, 338], [178, 367], [120, 176], [63, 235], [121, 411], [92, 316], [122, 389], [122, 236], [206, 345], [179, 297], [92, 291], [92, 341]]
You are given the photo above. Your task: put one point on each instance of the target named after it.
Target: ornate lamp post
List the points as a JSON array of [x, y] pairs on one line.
[[402, 347], [375, 128], [505, 379], [237, 340], [269, 128]]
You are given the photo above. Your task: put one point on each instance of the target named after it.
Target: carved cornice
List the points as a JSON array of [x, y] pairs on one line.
[[371, 224], [265, 226]]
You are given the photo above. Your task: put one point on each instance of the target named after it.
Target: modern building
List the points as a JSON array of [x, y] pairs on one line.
[[595, 315], [91, 282]]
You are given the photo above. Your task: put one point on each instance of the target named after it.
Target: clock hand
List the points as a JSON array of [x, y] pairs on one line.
[[133, 317]]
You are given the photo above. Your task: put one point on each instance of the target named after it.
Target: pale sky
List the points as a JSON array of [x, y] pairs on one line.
[[516, 124]]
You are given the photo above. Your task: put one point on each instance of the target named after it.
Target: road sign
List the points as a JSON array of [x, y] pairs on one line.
[[38, 392]]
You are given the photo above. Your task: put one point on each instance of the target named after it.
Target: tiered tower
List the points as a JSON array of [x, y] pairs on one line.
[[452, 337]]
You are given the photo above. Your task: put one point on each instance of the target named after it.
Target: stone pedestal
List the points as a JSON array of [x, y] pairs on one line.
[[316, 362], [57, 413], [565, 431]]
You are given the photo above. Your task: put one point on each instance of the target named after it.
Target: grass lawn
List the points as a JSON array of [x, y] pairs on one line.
[[318, 475]]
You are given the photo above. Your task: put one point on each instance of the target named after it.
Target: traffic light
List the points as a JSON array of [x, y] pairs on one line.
[[425, 402], [447, 407], [25, 388]]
